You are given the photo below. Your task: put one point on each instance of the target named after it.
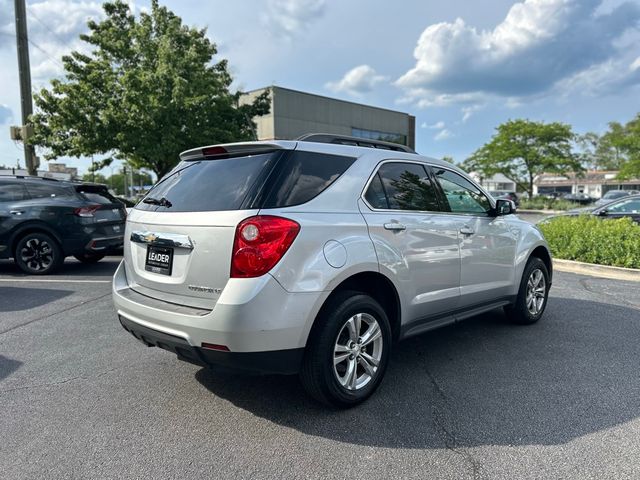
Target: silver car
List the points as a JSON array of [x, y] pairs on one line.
[[315, 257]]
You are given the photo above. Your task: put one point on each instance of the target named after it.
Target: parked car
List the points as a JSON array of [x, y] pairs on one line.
[[506, 195], [581, 198], [612, 195], [42, 221], [314, 257], [627, 206]]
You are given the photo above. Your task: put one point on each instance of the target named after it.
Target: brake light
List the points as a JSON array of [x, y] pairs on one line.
[[213, 151], [260, 242], [86, 211]]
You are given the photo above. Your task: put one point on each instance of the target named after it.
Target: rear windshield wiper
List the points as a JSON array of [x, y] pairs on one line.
[[163, 202]]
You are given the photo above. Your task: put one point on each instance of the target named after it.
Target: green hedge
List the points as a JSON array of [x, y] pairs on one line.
[[594, 240], [543, 203]]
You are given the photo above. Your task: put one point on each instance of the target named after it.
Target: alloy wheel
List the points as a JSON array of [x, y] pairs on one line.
[[37, 254], [358, 351], [536, 292]]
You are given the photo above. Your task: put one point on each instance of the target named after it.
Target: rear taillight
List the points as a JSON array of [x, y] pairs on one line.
[[260, 243], [86, 211]]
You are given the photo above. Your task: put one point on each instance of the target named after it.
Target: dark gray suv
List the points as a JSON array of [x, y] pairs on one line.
[[42, 221]]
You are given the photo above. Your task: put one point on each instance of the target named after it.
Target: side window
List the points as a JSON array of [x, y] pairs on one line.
[[375, 194], [44, 190], [407, 186], [462, 195], [626, 206], [12, 192]]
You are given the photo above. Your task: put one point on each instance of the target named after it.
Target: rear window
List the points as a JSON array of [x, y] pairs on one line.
[[267, 180], [96, 194], [208, 185], [302, 176]]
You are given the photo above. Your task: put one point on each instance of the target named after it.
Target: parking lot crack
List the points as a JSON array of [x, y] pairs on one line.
[[44, 317], [59, 382], [448, 432]]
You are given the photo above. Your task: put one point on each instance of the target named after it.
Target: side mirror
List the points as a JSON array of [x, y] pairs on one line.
[[504, 207], [603, 213]]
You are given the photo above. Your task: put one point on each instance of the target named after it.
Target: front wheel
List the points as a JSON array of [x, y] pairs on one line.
[[533, 294], [347, 351]]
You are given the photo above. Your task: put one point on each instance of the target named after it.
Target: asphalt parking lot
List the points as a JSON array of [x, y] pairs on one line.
[[81, 398]]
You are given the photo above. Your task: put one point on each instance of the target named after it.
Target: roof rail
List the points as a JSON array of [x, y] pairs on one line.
[[356, 141], [29, 177]]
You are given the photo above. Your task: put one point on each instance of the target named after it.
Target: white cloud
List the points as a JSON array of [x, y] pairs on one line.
[[537, 45], [5, 114], [290, 17], [434, 126], [358, 80], [443, 135], [54, 27]]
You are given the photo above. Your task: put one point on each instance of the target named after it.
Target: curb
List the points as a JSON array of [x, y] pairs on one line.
[[602, 271]]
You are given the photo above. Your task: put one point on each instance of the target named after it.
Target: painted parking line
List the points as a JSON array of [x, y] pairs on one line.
[[49, 280]]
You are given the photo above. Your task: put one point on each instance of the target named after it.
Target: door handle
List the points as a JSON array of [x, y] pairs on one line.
[[16, 212], [394, 226], [467, 230]]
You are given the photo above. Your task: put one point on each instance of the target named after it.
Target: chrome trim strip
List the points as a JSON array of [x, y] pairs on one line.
[[175, 240]]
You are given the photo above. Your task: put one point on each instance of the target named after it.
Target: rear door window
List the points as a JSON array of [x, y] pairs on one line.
[[12, 192], [301, 176], [406, 186], [46, 190]]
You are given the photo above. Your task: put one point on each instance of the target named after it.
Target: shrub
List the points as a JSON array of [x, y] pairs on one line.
[[543, 203], [587, 238]]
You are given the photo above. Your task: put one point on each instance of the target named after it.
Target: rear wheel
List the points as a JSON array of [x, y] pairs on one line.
[[348, 350], [89, 257], [38, 254], [532, 296]]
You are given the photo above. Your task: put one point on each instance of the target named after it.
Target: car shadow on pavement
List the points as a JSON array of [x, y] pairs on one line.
[[479, 382], [71, 267], [13, 299], [8, 366]]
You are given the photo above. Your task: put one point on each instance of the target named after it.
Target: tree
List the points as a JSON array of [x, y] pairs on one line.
[[629, 144], [147, 91], [522, 150], [610, 149]]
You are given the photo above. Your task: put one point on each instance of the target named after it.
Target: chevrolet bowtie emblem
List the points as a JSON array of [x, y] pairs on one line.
[[150, 237]]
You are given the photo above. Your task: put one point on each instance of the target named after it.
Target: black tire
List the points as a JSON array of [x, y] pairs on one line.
[[318, 374], [522, 311], [89, 257], [38, 254]]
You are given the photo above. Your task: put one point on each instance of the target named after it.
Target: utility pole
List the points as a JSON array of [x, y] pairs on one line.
[[25, 83]]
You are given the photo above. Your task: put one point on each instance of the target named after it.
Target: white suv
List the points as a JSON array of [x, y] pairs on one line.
[[316, 256]]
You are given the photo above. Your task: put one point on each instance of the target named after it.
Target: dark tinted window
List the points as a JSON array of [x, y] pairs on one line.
[[462, 195], [96, 194], [47, 190], [375, 194], [12, 192], [207, 185], [408, 187], [301, 176]]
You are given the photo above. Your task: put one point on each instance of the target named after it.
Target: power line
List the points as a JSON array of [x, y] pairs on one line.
[[66, 42]]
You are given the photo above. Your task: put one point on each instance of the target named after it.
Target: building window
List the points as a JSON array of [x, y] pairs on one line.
[[376, 135]]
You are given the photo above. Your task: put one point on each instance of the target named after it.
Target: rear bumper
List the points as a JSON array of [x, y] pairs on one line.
[[264, 327], [283, 362]]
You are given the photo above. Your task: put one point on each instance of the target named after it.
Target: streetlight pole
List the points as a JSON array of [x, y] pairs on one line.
[[24, 71]]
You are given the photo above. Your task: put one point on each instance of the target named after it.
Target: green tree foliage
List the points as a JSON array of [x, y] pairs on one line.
[[147, 91], [523, 149], [630, 146]]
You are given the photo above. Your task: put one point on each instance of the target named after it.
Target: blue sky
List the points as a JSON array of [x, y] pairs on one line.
[[460, 67]]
